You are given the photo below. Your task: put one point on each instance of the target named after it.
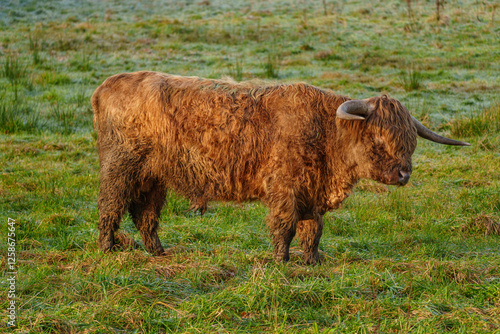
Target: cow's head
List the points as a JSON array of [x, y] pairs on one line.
[[387, 137]]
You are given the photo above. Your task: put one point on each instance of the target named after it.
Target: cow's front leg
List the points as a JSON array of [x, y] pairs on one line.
[[310, 231]]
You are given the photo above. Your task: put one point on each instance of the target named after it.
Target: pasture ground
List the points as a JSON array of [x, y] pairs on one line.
[[423, 258]]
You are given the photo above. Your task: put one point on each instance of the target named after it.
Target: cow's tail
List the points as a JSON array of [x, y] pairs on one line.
[[95, 107]]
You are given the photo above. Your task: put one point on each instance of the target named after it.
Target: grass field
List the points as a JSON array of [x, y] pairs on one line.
[[424, 258]]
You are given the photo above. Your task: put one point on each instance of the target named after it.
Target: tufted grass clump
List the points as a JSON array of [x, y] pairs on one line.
[[271, 66], [411, 79], [17, 118], [486, 122]]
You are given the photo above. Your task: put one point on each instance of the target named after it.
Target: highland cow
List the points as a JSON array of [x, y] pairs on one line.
[[297, 148]]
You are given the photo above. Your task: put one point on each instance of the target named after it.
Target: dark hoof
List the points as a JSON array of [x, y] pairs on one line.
[[281, 258], [159, 252], [106, 241]]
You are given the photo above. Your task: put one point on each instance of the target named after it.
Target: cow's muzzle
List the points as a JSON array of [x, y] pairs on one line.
[[397, 177], [404, 177]]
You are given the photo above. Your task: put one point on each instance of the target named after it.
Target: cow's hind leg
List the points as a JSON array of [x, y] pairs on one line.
[[112, 203], [310, 232], [145, 212], [282, 224]]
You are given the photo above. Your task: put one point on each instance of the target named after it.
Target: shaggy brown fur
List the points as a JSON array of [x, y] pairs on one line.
[[220, 140]]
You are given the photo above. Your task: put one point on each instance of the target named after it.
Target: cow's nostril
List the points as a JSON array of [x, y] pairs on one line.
[[404, 177]]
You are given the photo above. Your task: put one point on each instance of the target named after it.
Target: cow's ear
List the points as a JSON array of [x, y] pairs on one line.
[[354, 110]]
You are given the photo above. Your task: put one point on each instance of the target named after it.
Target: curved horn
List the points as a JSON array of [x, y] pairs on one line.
[[423, 132], [353, 110]]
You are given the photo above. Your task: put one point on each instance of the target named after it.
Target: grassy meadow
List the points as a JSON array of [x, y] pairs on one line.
[[424, 258]]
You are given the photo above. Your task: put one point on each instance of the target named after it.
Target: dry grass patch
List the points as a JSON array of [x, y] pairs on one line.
[[482, 224], [442, 272], [170, 271]]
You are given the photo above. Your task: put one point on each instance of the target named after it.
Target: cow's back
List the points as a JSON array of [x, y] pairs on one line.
[[197, 135]]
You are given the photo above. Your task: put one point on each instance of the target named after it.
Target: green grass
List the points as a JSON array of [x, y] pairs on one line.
[[421, 258], [484, 123], [411, 79]]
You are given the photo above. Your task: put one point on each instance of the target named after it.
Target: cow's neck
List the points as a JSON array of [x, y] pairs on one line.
[[343, 178], [342, 168]]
